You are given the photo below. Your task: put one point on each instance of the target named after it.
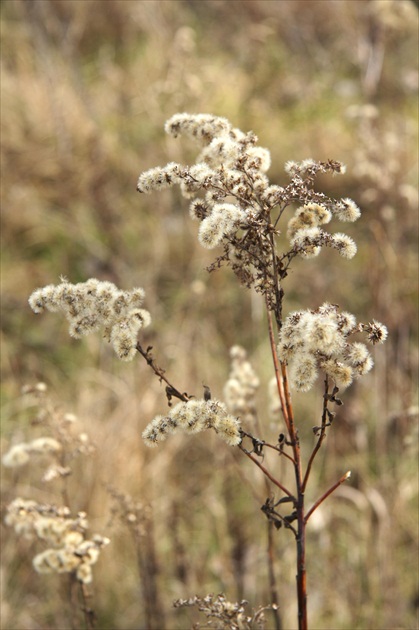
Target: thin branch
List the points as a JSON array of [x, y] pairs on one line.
[[283, 519], [267, 473], [326, 494], [272, 579], [276, 368], [274, 447], [321, 436], [292, 430], [89, 614], [287, 397], [158, 371]]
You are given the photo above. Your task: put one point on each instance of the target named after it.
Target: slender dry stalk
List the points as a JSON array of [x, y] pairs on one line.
[[273, 587]]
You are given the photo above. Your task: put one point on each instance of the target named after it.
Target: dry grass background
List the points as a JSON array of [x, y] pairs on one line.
[[86, 88]]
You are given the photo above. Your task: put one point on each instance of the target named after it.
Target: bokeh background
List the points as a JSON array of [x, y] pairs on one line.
[[86, 87]]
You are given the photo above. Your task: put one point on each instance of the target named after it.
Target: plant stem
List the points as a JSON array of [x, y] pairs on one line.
[[89, 615], [266, 472], [277, 368], [301, 568], [158, 371], [288, 413], [327, 493], [321, 437], [272, 580]]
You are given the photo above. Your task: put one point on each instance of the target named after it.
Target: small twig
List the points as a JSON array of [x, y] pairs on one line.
[[158, 371], [277, 519], [277, 368], [321, 436], [262, 444], [326, 494], [272, 579], [89, 613], [266, 472]]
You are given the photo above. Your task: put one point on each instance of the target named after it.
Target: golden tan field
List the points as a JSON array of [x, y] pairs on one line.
[[86, 87]]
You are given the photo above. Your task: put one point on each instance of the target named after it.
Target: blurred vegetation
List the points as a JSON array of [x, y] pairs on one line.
[[86, 88]]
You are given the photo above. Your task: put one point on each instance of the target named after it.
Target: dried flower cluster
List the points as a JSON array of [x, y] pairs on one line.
[[65, 444], [192, 417], [68, 549], [19, 454], [242, 385], [135, 514], [225, 615], [90, 305], [307, 238], [312, 340], [235, 202]]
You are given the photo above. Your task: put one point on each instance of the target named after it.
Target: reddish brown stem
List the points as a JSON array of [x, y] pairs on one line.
[[266, 472], [288, 414], [158, 371], [277, 369], [301, 530], [327, 493], [89, 614], [272, 580], [301, 567], [278, 449], [320, 438]]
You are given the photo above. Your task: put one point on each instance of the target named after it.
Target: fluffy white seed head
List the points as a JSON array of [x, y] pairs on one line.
[[228, 428], [347, 210], [192, 417], [346, 322], [303, 371], [199, 209], [321, 214], [94, 304], [323, 335], [258, 158], [221, 151], [159, 177], [340, 373], [308, 216], [307, 241], [313, 340], [46, 562], [201, 127], [344, 244], [44, 445], [210, 232], [223, 220], [376, 332], [356, 353], [16, 456], [241, 386], [84, 573]]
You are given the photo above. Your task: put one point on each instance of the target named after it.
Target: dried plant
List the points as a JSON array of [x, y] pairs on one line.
[[68, 549], [261, 229], [138, 518], [224, 615]]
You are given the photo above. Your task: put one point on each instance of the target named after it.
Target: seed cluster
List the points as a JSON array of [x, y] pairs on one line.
[[19, 454], [307, 238], [227, 160], [239, 209], [68, 549], [312, 340], [224, 614], [192, 417], [241, 386], [90, 305]]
